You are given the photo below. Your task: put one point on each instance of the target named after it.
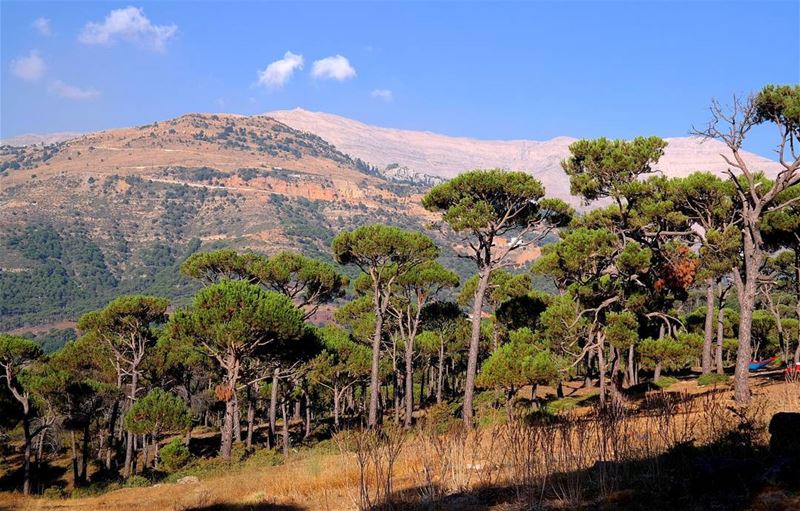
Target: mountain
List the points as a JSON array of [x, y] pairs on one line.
[[444, 156], [40, 138], [117, 211]]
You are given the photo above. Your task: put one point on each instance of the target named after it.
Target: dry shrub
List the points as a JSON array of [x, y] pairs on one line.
[[375, 453]]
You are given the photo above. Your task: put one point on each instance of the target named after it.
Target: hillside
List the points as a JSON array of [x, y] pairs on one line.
[[445, 156], [116, 211]]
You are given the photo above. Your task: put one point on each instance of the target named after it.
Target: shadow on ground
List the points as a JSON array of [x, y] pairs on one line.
[[730, 475], [247, 507]]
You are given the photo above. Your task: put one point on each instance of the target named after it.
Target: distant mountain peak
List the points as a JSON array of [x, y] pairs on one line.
[[444, 156], [40, 138]]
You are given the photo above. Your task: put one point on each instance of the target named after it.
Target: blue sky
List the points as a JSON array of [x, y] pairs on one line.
[[530, 70]]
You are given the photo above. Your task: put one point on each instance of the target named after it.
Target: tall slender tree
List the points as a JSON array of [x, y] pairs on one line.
[[497, 212], [779, 106], [383, 253], [232, 321], [413, 292], [125, 327], [16, 354], [706, 201]]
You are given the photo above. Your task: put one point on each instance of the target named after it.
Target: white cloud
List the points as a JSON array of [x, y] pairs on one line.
[[384, 94], [334, 68], [64, 90], [42, 25], [29, 68], [129, 24], [279, 72]]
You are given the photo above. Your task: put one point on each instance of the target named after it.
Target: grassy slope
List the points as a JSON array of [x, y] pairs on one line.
[[323, 479]]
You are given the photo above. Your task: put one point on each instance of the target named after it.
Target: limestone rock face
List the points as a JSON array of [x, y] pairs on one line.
[[444, 156]]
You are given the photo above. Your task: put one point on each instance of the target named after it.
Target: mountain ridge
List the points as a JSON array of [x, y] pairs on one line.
[[445, 156]]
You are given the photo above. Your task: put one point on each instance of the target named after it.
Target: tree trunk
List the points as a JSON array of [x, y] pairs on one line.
[[226, 446], [474, 345], [285, 421], [440, 376], [144, 452], [797, 350], [155, 452], [409, 397], [746, 283], [85, 452], [657, 373], [228, 426], [251, 415], [111, 422], [129, 438], [396, 395], [720, 338], [708, 338], [237, 418], [601, 367], [374, 380], [74, 445], [273, 406], [633, 377], [336, 398], [26, 462], [308, 418]]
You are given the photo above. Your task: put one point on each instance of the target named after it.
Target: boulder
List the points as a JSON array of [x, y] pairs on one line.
[[784, 430], [188, 480]]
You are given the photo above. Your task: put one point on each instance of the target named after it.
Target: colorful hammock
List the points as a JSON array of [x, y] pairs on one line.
[[761, 364]]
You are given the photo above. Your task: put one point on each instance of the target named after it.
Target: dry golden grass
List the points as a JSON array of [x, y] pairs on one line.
[[426, 464]]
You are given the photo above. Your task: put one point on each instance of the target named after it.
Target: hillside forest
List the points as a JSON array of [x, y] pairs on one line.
[[656, 278]]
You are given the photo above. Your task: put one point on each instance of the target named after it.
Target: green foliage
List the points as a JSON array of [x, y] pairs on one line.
[[126, 323], [358, 316], [136, 481], [55, 492], [342, 359], [712, 379], [672, 352], [213, 266], [238, 317], [54, 339], [516, 364], [780, 104], [621, 329], [503, 286], [174, 455], [581, 255], [439, 419], [480, 199], [305, 280], [382, 249], [567, 404], [17, 351], [157, 413], [67, 272], [610, 168], [665, 382]]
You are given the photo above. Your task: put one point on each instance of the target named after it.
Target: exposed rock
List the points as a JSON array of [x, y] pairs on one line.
[[188, 480], [445, 156]]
